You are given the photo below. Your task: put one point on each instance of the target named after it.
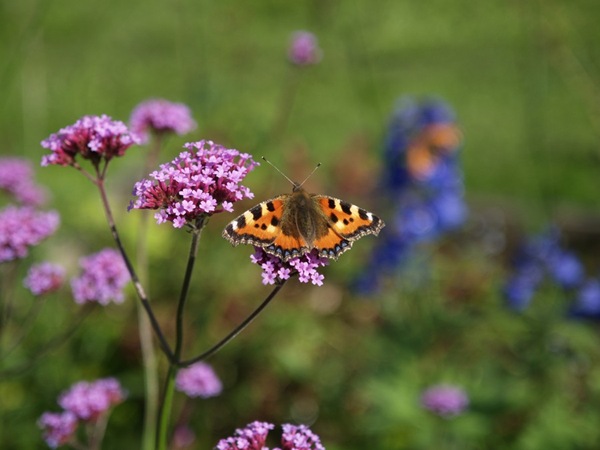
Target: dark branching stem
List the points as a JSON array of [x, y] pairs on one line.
[[196, 233], [134, 277], [237, 330]]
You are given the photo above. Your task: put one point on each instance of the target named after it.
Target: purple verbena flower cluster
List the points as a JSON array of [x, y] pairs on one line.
[[299, 437], [44, 278], [89, 400], [22, 227], [445, 400], [85, 402], [421, 181], [160, 116], [91, 137], [254, 437], [103, 278], [16, 178], [275, 270], [198, 380], [199, 182], [304, 49]]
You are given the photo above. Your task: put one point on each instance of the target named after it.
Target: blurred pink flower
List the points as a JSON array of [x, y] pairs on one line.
[[160, 116], [89, 400], [24, 227], [304, 49], [445, 400], [44, 278], [16, 178], [58, 428], [103, 278], [198, 380]]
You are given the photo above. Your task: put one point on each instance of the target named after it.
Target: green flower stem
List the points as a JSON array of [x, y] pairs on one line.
[[162, 430], [149, 360], [167, 403], [237, 330]]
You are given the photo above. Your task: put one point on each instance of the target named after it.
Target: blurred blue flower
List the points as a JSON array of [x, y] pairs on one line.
[[422, 182], [565, 269], [587, 302], [519, 291], [541, 257]]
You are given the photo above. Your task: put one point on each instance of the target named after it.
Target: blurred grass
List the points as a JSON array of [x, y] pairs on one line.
[[500, 64], [523, 78]]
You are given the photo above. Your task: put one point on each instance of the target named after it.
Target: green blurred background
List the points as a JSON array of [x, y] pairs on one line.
[[524, 80]]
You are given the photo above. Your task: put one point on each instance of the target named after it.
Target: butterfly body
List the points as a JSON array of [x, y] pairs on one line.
[[290, 225]]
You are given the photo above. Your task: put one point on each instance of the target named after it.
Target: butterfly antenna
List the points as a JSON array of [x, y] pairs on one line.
[[310, 174], [275, 167]]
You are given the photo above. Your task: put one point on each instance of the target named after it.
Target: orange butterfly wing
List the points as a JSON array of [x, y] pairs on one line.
[[347, 223], [261, 226]]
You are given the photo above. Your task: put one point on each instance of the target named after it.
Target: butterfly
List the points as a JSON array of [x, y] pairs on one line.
[[290, 225]]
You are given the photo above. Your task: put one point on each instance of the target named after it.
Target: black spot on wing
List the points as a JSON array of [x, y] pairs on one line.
[[331, 203], [270, 206], [346, 207], [274, 221], [256, 212], [333, 218], [363, 214]]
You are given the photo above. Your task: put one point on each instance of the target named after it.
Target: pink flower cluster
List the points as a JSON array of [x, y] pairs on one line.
[[89, 400], [84, 401], [22, 227], [103, 278], [254, 437], [91, 137], [160, 116], [44, 278], [445, 400], [304, 49], [275, 270], [199, 182], [59, 428], [198, 380], [16, 178]]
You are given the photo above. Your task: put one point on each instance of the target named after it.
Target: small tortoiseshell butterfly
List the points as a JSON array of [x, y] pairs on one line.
[[290, 225]]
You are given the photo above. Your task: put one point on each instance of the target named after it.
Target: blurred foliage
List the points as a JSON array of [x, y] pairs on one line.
[[523, 78]]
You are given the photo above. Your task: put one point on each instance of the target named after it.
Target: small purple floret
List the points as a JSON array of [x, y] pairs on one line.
[[254, 437], [103, 278], [44, 278], [161, 116], [58, 428], [198, 380], [275, 270], [89, 400], [304, 49], [445, 400]]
